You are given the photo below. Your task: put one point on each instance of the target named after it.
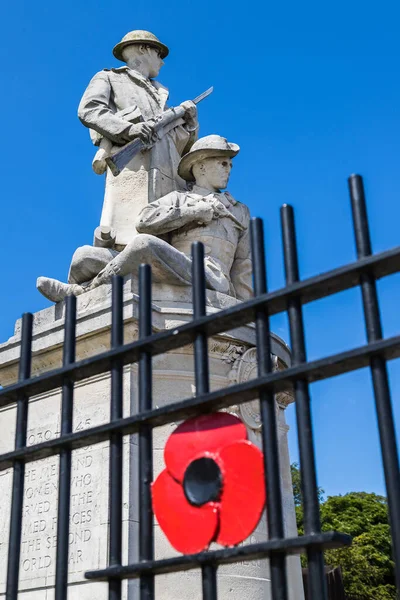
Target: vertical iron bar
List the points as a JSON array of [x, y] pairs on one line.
[[116, 441], [202, 378], [64, 486], [312, 524], [146, 530], [14, 546], [209, 582], [378, 368], [268, 416]]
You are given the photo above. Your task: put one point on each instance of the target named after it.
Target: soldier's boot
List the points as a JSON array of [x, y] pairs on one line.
[[55, 290]]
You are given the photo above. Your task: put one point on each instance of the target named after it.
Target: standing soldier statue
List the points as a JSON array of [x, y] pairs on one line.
[[124, 105]]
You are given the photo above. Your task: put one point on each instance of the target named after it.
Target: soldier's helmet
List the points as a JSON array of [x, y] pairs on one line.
[[210, 146], [140, 37]]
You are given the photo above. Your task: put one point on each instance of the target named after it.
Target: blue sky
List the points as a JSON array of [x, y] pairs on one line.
[[311, 93]]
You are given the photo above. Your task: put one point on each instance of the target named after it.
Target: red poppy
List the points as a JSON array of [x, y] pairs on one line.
[[212, 489]]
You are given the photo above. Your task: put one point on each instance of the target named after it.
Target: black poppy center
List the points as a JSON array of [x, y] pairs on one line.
[[202, 481]]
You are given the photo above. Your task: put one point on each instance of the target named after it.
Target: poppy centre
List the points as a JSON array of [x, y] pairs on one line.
[[202, 481]]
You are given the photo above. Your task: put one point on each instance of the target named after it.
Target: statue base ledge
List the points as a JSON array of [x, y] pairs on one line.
[[171, 307]]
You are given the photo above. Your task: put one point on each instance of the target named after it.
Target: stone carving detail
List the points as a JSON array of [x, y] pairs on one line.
[[244, 369], [232, 353]]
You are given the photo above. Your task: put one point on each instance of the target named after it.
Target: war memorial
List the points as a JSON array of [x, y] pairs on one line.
[[163, 192], [166, 189]]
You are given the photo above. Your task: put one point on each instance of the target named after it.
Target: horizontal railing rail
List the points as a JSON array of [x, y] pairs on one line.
[[308, 290], [279, 381]]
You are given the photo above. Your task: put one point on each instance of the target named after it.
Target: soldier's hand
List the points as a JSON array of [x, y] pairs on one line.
[[204, 212], [190, 115], [219, 209], [144, 132]]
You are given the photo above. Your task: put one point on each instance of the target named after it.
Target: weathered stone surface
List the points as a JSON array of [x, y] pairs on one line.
[[173, 380]]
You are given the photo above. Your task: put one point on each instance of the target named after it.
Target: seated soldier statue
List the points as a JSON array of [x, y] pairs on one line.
[[167, 227]]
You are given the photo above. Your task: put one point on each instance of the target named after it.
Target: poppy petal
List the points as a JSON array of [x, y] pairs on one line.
[[189, 529], [200, 434], [243, 494]]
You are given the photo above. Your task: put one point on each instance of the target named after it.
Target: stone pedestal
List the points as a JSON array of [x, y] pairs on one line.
[[232, 358]]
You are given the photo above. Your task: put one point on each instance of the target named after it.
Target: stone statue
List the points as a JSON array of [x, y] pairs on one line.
[[118, 106], [168, 226], [169, 195]]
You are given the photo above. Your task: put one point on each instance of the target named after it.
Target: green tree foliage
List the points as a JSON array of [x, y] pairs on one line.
[[367, 565]]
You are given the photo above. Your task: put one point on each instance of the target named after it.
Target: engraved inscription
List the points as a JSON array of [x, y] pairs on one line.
[[39, 532]]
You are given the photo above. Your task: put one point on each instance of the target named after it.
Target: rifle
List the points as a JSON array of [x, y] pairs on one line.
[[168, 120]]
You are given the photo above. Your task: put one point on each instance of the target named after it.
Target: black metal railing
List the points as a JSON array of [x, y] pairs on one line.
[[364, 272]]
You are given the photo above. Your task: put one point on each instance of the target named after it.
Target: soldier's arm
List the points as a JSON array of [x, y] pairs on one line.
[[95, 112], [184, 138], [172, 212], [241, 271]]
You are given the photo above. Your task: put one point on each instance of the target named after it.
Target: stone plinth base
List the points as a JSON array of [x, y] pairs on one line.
[[232, 358]]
